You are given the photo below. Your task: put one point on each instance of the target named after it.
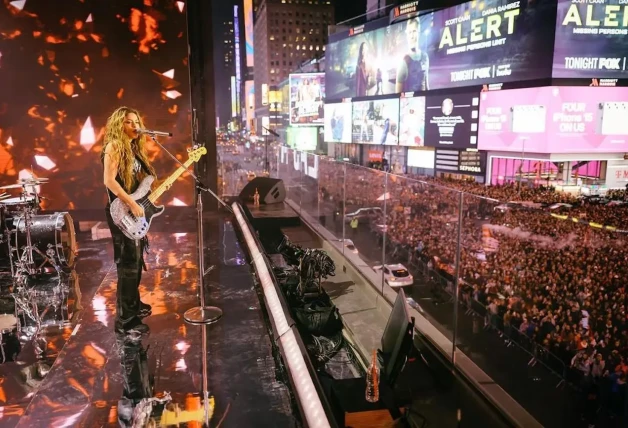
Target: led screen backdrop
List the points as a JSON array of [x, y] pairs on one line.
[[591, 39], [555, 120], [471, 44], [63, 70]]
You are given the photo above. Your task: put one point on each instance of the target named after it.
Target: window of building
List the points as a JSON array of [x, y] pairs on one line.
[[272, 37]]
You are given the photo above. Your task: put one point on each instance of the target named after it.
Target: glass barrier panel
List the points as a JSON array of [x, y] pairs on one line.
[[364, 215], [420, 254], [289, 164], [310, 185], [541, 290], [331, 179]]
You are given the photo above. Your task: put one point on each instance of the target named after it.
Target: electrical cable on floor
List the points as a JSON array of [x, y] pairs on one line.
[[224, 415]]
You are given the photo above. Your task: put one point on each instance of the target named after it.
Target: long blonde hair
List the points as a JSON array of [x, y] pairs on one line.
[[125, 149]]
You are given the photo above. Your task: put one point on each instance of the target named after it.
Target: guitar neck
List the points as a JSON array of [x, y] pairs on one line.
[[169, 181]]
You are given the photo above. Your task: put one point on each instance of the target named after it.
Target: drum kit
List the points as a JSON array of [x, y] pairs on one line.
[[40, 248]]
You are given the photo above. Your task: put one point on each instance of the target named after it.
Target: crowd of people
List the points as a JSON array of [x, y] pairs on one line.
[[557, 282]]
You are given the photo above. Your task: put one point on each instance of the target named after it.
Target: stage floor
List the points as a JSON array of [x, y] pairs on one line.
[[78, 372]]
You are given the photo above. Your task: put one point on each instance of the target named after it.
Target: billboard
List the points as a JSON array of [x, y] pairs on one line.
[[234, 97], [555, 120], [248, 32], [338, 123], [249, 102], [467, 162], [375, 122], [471, 44], [591, 39], [412, 122], [302, 137], [451, 120], [265, 125], [421, 158], [307, 92]]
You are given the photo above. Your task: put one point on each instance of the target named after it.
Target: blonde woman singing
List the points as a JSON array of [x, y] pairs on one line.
[[125, 165]]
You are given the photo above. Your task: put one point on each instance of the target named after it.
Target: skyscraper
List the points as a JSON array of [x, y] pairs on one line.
[[229, 57], [287, 33]]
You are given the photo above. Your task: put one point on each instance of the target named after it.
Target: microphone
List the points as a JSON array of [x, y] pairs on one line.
[[154, 133]]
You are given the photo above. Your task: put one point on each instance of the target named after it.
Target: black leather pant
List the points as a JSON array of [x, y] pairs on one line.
[[128, 256]]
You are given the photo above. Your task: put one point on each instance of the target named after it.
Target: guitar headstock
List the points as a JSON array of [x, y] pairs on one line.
[[196, 154]]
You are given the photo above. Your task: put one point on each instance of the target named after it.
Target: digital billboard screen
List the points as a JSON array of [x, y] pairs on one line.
[[421, 158], [555, 120], [412, 121], [248, 32], [338, 123], [451, 120], [471, 44], [302, 138], [591, 39], [376, 122], [307, 92], [467, 162]]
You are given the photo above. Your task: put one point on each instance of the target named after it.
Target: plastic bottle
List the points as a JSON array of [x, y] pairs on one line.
[[372, 380]]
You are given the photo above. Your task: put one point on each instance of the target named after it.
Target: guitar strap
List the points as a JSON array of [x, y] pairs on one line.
[[144, 240], [143, 165]]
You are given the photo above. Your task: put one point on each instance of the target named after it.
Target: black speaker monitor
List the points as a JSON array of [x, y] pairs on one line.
[[271, 190]]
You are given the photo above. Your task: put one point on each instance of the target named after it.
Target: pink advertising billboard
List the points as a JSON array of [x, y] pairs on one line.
[[556, 119]]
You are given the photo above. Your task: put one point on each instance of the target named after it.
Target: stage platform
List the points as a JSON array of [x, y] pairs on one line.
[[89, 376], [272, 216]]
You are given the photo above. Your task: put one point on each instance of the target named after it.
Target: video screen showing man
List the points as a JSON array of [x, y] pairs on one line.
[[412, 72]]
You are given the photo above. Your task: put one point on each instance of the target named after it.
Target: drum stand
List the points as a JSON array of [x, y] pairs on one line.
[[25, 264]]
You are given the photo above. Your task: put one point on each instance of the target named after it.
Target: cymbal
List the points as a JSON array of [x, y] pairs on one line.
[[32, 180]]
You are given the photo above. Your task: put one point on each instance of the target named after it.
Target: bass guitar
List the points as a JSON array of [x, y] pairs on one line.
[[136, 228]]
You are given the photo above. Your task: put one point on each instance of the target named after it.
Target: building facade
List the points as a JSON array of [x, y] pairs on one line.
[[378, 8], [288, 34]]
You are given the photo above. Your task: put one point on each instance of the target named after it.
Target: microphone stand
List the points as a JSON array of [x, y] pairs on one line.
[[200, 314]]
